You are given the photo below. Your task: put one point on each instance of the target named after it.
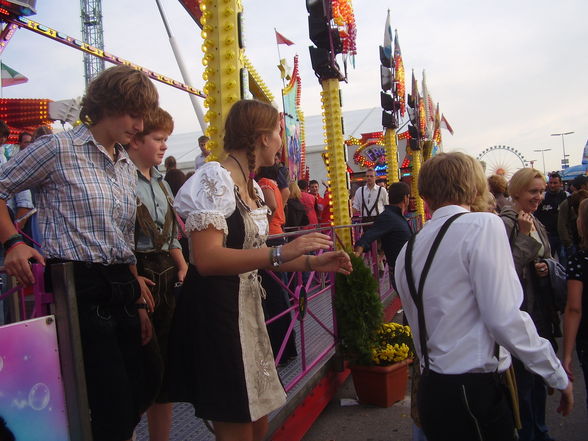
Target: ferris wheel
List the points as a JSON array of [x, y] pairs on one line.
[[502, 160]]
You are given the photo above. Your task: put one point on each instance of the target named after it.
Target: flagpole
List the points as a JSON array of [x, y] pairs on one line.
[[280, 61]]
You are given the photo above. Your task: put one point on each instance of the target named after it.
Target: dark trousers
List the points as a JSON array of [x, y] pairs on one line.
[[121, 382], [160, 268], [532, 398], [466, 407]]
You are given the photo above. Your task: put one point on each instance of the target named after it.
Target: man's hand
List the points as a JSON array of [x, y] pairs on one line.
[[146, 327], [16, 262], [146, 295], [567, 400]]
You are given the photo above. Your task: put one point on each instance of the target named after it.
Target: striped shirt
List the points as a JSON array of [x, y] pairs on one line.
[[86, 202]]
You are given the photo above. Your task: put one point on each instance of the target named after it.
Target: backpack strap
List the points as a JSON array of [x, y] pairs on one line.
[[417, 296]]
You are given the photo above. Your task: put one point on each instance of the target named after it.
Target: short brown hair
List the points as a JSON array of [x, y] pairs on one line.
[[522, 180], [170, 162], [498, 185], [159, 119], [397, 191], [117, 91], [450, 178], [577, 198], [583, 227]]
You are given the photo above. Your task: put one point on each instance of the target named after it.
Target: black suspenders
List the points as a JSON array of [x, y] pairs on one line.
[[364, 206], [417, 296]]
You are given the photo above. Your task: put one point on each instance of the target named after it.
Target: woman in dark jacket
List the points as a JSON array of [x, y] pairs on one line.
[[530, 247], [295, 211]]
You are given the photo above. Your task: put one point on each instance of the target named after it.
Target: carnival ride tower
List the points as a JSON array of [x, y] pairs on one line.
[[93, 34]]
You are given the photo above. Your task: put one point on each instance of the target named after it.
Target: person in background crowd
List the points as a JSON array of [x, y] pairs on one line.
[[41, 131], [530, 249], [498, 186], [326, 212], [24, 139], [390, 226], [369, 200], [295, 209], [220, 355], [466, 303], [313, 188], [575, 320], [381, 183], [87, 203], [310, 203], [547, 213], [204, 152], [277, 299], [282, 179], [169, 163], [566, 218], [159, 254], [173, 175], [5, 149]]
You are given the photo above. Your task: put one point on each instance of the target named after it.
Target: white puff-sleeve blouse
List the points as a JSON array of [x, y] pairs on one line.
[[207, 199]]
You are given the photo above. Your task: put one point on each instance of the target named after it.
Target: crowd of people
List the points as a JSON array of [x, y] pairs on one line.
[[168, 269]]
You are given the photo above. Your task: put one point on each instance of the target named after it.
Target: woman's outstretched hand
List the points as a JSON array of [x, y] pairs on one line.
[[332, 261], [305, 244]]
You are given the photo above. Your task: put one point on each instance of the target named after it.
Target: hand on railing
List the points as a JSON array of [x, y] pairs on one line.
[[16, 262], [305, 244]]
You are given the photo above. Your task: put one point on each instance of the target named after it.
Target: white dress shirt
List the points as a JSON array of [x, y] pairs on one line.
[[471, 299], [371, 199]]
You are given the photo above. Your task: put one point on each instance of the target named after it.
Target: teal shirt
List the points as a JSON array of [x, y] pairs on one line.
[[152, 196]]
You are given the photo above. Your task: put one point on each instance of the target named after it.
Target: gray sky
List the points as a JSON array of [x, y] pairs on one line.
[[505, 72]]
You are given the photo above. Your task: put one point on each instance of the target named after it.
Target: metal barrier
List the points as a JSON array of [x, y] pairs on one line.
[[318, 289]]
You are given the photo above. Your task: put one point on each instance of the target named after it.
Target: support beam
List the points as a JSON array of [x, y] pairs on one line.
[[337, 158]]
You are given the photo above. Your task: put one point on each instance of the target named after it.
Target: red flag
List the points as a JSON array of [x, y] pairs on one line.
[[280, 39], [445, 125]]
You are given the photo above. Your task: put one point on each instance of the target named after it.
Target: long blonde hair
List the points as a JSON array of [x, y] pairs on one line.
[[295, 192]]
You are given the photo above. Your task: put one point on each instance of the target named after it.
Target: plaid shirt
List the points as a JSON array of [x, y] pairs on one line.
[[86, 202]]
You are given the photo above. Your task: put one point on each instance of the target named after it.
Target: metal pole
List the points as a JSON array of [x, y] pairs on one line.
[[184, 72], [70, 352], [565, 164], [543, 156]]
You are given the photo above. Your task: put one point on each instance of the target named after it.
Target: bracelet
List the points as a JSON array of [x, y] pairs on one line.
[[14, 245], [276, 256], [141, 305], [12, 240]]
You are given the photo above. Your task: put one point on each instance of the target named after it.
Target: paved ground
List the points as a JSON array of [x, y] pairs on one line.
[[367, 423]]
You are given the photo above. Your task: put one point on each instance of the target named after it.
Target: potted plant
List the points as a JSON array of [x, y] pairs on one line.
[[379, 352]]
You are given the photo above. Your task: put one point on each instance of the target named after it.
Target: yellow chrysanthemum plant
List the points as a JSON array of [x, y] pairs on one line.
[[393, 344]]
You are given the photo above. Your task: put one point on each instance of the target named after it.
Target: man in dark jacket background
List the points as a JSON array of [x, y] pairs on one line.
[[547, 212], [390, 226]]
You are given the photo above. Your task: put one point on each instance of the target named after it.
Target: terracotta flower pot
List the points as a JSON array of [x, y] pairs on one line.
[[380, 385]]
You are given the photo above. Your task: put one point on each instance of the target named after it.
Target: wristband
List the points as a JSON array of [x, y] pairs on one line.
[[141, 305], [14, 245], [12, 240]]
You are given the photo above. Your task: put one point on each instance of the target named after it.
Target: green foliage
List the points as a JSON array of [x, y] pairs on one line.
[[359, 311]]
